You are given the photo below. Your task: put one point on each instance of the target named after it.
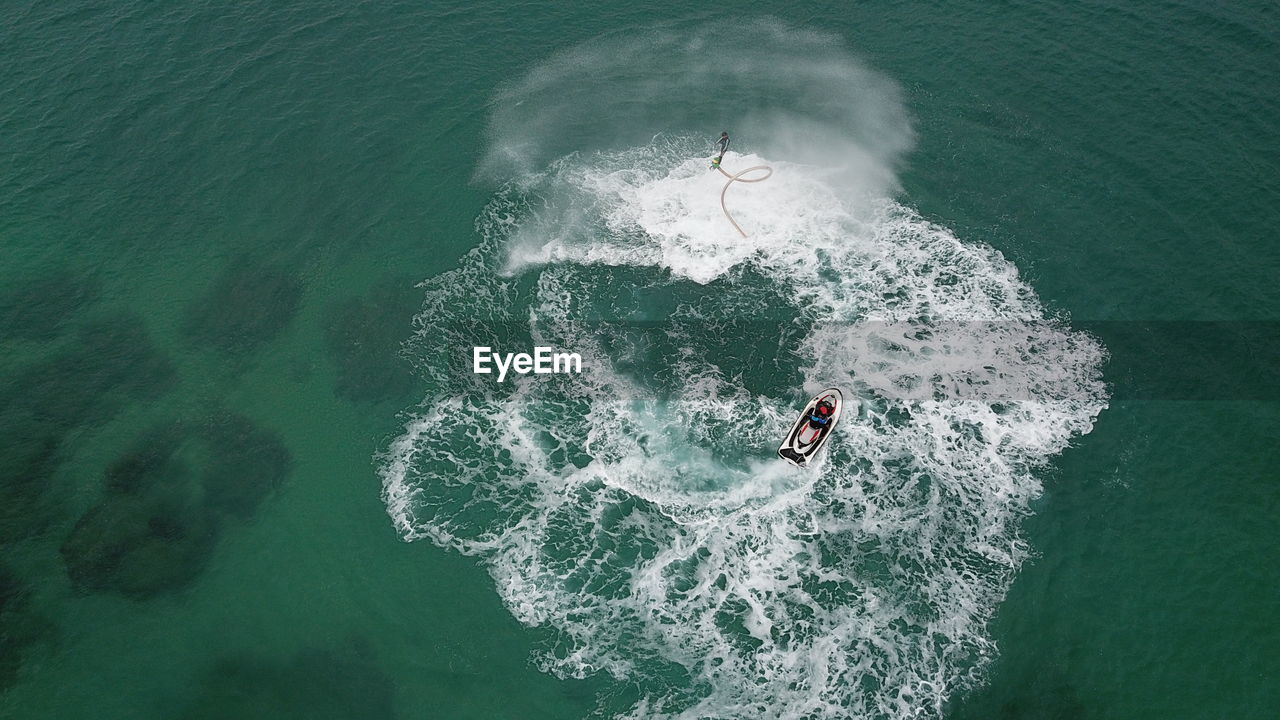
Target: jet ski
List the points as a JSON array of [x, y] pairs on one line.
[[813, 428]]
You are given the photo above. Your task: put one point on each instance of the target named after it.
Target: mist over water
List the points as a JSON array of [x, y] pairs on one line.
[[637, 510], [794, 95]]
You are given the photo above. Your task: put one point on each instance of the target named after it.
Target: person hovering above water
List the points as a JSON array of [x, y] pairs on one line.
[[722, 145]]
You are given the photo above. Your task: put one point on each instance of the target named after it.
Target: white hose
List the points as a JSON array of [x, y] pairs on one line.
[[737, 177]]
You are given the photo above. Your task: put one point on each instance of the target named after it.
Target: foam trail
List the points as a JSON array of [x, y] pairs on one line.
[[636, 509]]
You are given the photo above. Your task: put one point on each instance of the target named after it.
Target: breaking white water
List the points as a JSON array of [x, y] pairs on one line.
[[637, 510]]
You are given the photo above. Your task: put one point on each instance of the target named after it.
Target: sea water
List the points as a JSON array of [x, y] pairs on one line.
[[246, 252], [637, 510]]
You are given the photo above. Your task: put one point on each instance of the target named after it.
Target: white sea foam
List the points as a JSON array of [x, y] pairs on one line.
[[636, 509]]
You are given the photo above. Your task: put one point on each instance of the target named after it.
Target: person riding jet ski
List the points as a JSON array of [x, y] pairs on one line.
[[821, 414], [812, 427]]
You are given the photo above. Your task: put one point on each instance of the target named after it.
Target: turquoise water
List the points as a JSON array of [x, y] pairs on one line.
[[1036, 243]]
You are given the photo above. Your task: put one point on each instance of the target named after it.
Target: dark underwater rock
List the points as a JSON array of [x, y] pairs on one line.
[[165, 503], [248, 463], [1056, 702], [247, 305], [151, 463], [343, 682], [110, 362], [38, 308], [1032, 693], [12, 601], [20, 626], [139, 546], [364, 338], [27, 464]]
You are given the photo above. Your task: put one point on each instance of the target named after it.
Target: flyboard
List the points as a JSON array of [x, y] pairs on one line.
[[813, 428]]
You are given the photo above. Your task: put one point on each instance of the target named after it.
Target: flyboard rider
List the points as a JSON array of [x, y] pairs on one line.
[[722, 146]]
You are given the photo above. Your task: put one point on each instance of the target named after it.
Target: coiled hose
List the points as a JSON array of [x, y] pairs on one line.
[[737, 177]]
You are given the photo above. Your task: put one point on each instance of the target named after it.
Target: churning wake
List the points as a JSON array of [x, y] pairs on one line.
[[637, 510]]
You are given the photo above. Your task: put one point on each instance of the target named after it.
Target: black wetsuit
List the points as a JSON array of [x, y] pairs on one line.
[[723, 145]]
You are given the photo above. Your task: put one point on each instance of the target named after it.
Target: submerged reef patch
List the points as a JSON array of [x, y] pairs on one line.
[[248, 305], [1040, 692], [21, 626], [138, 546], [364, 338], [39, 307], [316, 683], [26, 473], [110, 362], [165, 502], [247, 464]]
